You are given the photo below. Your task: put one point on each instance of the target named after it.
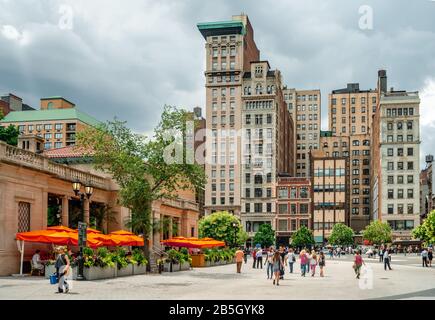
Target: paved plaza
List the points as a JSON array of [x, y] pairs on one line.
[[407, 280]]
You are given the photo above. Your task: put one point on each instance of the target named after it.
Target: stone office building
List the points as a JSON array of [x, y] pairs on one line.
[[396, 160]]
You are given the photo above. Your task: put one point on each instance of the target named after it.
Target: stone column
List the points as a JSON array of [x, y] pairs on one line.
[[86, 211], [170, 226], [65, 211]]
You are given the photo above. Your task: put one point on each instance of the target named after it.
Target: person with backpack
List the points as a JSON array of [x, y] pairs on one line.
[[62, 268]]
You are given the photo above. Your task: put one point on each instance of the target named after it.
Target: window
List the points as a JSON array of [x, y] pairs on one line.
[[410, 209], [390, 194], [47, 136], [247, 208], [400, 208], [47, 145], [23, 217], [390, 180], [410, 165], [410, 193], [283, 208], [390, 152], [410, 179], [282, 193], [303, 208], [58, 145], [399, 179], [400, 194], [410, 151], [399, 165], [409, 125], [58, 126], [47, 127], [58, 135], [390, 208], [258, 207], [400, 152]]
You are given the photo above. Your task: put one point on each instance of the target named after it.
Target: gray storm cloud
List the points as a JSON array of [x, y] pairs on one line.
[[128, 59]]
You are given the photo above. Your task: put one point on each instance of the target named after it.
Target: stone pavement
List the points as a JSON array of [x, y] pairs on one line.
[[406, 281]]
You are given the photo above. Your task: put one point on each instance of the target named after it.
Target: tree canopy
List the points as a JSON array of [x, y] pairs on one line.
[[302, 237], [9, 134], [341, 235], [426, 231], [377, 232], [219, 226], [265, 236], [140, 165]]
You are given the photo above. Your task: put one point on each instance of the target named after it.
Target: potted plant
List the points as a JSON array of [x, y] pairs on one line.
[[141, 262], [99, 266], [123, 263]]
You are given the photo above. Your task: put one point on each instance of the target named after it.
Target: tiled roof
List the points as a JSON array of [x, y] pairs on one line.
[[66, 152], [50, 115]]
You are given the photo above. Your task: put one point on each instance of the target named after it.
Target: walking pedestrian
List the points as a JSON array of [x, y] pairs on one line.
[[239, 259], [254, 258], [387, 257], [303, 258], [430, 257], [339, 252], [357, 264], [313, 262], [424, 257], [245, 255], [260, 258], [321, 263], [381, 254], [291, 258], [269, 262], [283, 254], [62, 268], [277, 265]]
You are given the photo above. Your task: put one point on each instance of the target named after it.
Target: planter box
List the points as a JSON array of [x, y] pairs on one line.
[[125, 272], [198, 260], [139, 269], [96, 273], [185, 266]]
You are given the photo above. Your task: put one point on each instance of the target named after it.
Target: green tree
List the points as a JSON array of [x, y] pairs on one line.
[[143, 167], [377, 232], [265, 235], [219, 226], [302, 237], [341, 235], [9, 135], [426, 231]]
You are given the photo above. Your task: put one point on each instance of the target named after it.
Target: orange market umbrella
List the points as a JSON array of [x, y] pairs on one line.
[[61, 228], [127, 238], [193, 242]]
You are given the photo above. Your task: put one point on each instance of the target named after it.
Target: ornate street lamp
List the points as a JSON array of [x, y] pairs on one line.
[[235, 226], [76, 186]]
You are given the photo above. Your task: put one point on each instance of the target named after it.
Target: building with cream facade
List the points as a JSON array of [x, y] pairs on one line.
[[305, 108], [396, 160]]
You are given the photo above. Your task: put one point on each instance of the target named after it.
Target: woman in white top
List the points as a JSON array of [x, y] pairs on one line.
[[313, 262]]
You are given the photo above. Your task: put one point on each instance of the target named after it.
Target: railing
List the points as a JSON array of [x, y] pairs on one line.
[[35, 161], [181, 204]]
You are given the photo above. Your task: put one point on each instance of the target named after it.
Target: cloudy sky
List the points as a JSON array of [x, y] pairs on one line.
[[129, 58]]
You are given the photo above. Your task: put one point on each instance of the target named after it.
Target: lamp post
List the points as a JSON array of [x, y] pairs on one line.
[[235, 226], [76, 186]]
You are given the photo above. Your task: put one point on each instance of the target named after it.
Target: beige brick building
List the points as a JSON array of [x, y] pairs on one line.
[[350, 116], [267, 143], [305, 109], [239, 86]]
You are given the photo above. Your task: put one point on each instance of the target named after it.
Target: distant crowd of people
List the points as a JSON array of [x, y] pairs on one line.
[[276, 260]]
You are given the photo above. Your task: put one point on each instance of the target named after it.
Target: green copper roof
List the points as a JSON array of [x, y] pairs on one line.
[[221, 28], [49, 115]]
